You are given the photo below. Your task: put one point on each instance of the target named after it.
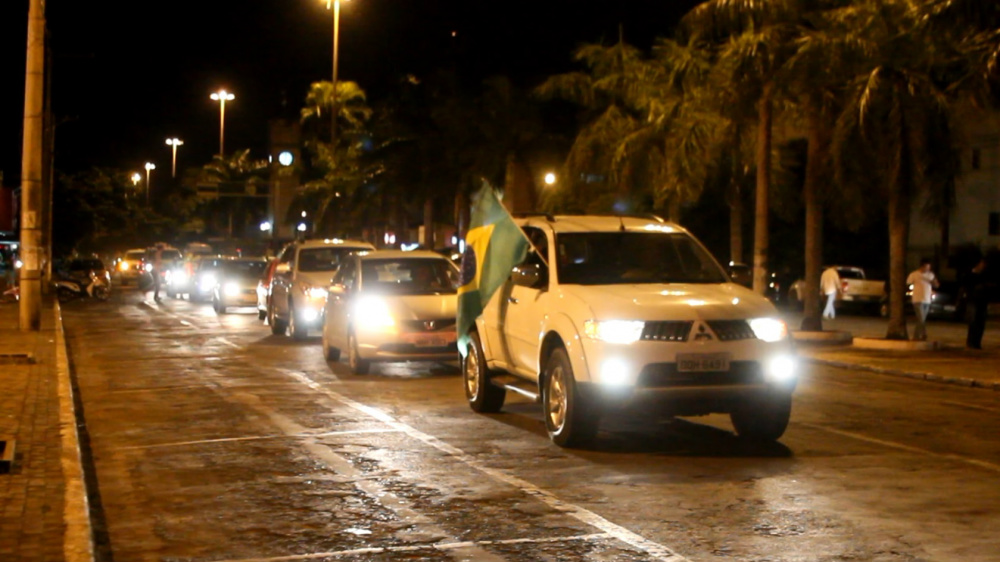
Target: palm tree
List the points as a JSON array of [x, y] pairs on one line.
[[352, 106], [894, 136], [242, 174]]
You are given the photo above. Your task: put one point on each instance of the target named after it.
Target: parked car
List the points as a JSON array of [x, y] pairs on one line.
[[629, 311], [131, 266], [392, 306], [856, 289], [948, 302], [236, 283], [301, 280], [264, 288]]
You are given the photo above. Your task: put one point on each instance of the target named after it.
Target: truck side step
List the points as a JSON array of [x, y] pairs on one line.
[[525, 388]]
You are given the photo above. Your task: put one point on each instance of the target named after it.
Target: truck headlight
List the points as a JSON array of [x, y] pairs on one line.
[[769, 329], [614, 331], [231, 289], [373, 313]]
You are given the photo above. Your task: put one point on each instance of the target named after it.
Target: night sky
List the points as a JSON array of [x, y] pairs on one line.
[[129, 74]]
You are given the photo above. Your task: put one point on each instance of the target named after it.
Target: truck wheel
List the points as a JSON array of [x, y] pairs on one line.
[[278, 326], [763, 420], [567, 419], [482, 395], [358, 365]]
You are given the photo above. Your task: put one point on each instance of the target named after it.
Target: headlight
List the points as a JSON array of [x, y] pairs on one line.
[[315, 292], [231, 289], [149, 267], [123, 266], [207, 281], [373, 313], [769, 329], [179, 277], [18, 264], [781, 369], [614, 331]]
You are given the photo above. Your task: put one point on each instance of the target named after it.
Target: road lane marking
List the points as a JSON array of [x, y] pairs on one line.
[[582, 514], [258, 438], [908, 448], [966, 406], [229, 343], [435, 546]]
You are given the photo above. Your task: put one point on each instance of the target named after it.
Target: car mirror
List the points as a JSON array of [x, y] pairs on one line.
[[533, 276]]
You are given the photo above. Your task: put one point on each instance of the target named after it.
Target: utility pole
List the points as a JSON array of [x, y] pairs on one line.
[[31, 172]]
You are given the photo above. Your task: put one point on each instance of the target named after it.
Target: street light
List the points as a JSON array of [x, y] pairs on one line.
[[149, 168], [222, 97], [174, 143], [550, 178], [136, 178], [335, 6]]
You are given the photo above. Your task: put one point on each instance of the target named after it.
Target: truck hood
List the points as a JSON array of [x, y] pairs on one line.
[[672, 301]]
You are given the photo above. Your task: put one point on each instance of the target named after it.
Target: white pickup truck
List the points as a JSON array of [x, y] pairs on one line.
[[855, 288]]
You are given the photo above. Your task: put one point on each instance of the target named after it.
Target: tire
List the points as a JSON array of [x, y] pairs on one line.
[[568, 420], [763, 420], [278, 326], [298, 331], [102, 292], [331, 353], [358, 365], [482, 395]]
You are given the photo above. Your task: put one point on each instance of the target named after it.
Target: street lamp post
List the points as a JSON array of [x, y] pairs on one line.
[[222, 97], [335, 6], [149, 168], [174, 143]]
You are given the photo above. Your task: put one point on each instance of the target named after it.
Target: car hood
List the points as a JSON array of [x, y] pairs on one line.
[[315, 278], [674, 301], [421, 307]]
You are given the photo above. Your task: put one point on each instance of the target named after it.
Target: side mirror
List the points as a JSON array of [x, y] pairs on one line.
[[532, 275]]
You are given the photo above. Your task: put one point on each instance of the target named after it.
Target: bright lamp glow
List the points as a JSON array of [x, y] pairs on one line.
[[149, 267], [207, 281], [769, 329], [123, 266], [614, 371], [550, 178], [614, 331], [231, 289], [179, 277], [781, 368], [301, 227], [316, 292], [285, 158], [373, 313], [265, 226]]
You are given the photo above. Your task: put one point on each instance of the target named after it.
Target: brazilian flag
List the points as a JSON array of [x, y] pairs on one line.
[[493, 246]]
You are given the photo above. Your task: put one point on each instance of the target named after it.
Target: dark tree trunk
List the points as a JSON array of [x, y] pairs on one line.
[[760, 238], [812, 318], [428, 240], [900, 189], [735, 223]]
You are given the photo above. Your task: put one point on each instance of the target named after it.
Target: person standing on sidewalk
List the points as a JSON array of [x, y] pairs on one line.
[[977, 293], [829, 284], [924, 282], [157, 268]]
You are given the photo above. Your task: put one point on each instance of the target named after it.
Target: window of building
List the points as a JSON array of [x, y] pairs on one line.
[[977, 158], [994, 224]]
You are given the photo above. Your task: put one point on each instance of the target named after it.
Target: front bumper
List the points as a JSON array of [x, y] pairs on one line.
[[408, 346]]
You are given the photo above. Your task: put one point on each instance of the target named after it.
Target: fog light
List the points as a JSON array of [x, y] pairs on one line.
[[781, 369], [614, 372]]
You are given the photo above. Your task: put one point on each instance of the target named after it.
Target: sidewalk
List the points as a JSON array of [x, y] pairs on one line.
[[43, 509], [953, 364]]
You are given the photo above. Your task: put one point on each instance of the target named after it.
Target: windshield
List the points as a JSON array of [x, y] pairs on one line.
[[323, 259], [409, 276], [243, 269], [605, 258], [850, 274]]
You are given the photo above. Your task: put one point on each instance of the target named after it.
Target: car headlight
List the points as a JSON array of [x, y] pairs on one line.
[[231, 289], [207, 281], [179, 277], [149, 267], [123, 266], [614, 331], [373, 313], [769, 329]]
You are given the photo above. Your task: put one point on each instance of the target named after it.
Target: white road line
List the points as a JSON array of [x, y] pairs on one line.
[[966, 406], [414, 548], [654, 549], [229, 343], [258, 438], [899, 446]]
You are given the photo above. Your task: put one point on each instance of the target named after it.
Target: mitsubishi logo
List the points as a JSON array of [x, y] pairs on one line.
[[702, 334], [429, 325]]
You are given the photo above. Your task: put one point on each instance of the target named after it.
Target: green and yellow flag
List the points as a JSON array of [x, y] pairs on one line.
[[493, 246]]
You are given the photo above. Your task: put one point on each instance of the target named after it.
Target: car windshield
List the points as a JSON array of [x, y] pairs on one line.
[[850, 274], [243, 269], [409, 276], [323, 259], [135, 255], [605, 258]]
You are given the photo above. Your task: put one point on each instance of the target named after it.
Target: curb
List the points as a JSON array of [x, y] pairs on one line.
[[929, 377], [78, 543]]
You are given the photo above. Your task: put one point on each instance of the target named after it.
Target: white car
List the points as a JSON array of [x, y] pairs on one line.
[[392, 306], [130, 267], [301, 278], [236, 283], [624, 311]]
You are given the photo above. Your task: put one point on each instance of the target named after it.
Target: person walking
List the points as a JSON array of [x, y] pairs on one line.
[[157, 269], [923, 282], [829, 284], [977, 295]]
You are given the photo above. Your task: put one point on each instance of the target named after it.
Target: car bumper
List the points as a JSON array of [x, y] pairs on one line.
[[242, 299], [862, 299], [408, 346]]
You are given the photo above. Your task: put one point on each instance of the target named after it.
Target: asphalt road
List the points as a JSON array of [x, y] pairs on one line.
[[209, 439]]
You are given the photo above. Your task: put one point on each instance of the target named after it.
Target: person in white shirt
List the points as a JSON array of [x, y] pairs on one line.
[[923, 281], [829, 284]]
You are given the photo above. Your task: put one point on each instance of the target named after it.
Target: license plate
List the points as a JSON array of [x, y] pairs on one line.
[[434, 340], [702, 362]]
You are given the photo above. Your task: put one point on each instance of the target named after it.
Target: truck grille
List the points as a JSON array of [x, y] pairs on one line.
[[732, 330], [676, 331], [659, 375]]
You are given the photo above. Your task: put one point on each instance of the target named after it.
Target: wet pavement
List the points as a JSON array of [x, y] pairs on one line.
[[212, 440]]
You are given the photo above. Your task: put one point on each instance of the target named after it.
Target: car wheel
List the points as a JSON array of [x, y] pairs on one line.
[[763, 420], [331, 353], [278, 326], [102, 292], [567, 419], [482, 395], [358, 365], [296, 328]]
